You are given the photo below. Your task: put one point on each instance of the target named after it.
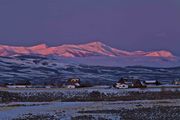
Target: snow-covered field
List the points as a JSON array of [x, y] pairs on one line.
[[70, 110], [102, 89], [100, 109]]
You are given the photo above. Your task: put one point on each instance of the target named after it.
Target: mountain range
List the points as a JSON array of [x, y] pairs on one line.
[[94, 62], [95, 53], [82, 50]]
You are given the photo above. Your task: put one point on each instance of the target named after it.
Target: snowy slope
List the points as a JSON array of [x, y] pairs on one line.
[[41, 70]]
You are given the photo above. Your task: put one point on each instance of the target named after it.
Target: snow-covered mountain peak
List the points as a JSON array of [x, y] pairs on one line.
[[40, 46], [162, 53], [95, 44], [82, 50]]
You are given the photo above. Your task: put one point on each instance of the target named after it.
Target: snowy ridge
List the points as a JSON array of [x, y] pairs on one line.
[[82, 50]]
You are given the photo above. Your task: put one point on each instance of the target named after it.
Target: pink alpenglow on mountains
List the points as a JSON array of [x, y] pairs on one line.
[[82, 50]]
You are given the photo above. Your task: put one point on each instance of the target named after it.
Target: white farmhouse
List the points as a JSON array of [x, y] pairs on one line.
[[121, 86], [71, 86]]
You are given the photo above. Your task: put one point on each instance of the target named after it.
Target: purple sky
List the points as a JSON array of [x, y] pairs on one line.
[[124, 24]]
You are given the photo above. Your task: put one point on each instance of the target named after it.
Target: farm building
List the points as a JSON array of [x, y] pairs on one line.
[[19, 84], [73, 83], [119, 85], [122, 83], [71, 86], [176, 82], [138, 84], [151, 82]]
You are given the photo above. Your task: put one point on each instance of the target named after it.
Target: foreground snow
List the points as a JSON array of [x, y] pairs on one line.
[[68, 110], [114, 109]]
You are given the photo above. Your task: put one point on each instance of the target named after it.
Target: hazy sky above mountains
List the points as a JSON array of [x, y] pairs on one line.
[[124, 24]]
